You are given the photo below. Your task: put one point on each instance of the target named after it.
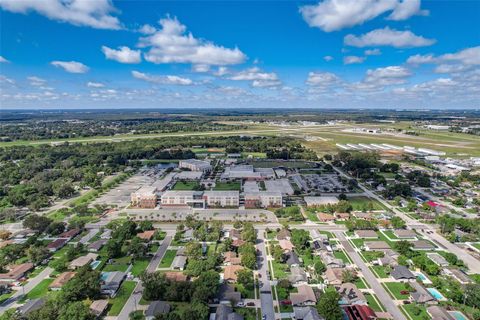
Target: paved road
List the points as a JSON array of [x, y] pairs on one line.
[[134, 300], [472, 263], [381, 293], [7, 304], [171, 227], [266, 299]]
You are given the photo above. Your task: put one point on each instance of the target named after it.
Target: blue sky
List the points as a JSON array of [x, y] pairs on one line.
[[318, 54]]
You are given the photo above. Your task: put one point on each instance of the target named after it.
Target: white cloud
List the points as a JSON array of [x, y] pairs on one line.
[[147, 29], [95, 84], [322, 79], [373, 52], [469, 56], [407, 8], [391, 75], [36, 81], [420, 59], [333, 15], [353, 59], [3, 60], [168, 79], [258, 77], [328, 58], [71, 66], [221, 71], [95, 13], [123, 54], [388, 37], [6, 79], [201, 68], [172, 44]]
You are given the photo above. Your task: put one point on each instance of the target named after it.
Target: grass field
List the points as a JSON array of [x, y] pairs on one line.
[[416, 312], [139, 266], [185, 185], [168, 259], [40, 290], [121, 298], [362, 203], [372, 302], [341, 255], [380, 271], [395, 288], [227, 186]]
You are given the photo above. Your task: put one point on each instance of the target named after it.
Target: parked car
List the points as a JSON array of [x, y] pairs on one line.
[[404, 292], [286, 302], [250, 304]]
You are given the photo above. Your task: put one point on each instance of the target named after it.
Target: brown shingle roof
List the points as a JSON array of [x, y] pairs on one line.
[[62, 279]]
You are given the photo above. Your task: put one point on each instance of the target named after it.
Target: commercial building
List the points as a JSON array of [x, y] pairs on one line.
[[263, 199], [221, 198], [182, 198], [248, 172], [145, 197], [195, 165], [318, 201]]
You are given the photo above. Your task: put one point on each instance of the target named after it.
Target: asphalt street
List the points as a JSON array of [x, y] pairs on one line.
[[266, 298]]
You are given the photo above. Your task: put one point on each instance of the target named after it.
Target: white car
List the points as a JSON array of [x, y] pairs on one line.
[[240, 304]]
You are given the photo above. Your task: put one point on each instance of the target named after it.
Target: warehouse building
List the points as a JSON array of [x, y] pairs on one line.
[[195, 165]]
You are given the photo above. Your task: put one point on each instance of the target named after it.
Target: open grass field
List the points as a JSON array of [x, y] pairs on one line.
[[121, 298], [362, 203], [185, 185], [139, 266], [227, 186]]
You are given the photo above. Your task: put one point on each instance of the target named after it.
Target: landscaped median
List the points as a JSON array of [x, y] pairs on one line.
[[121, 298]]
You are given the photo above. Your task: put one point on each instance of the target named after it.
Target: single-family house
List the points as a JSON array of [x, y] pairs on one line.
[[98, 307], [83, 260], [96, 245], [146, 235], [156, 308], [351, 294], [334, 276], [286, 245], [359, 312], [325, 217], [376, 245], [61, 280], [230, 258], [457, 274], [370, 234], [304, 297], [230, 273], [439, 313], [31, 305], [283, 234], [227, 294], [297, 275], [110, 282], [225, 312], [438, 259], [404, 233], [421, 295], [69, 234], [306, 313], [56, 244], [402, 273], [179, 263], [175, 276], [422, 245], [16, 272], [292, 259]]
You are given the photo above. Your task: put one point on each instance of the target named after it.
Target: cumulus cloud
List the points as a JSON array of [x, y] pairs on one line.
[[147, 29], [95, 84], [353, 59], [71, 66], [258, 77], [328, 58], [333, 15], [322, 79], [201, 68], [388, 37], [391, 75], [6, 79], [168, 79], [172, 44], [3, 60], [36, 81], [123, 54], [450, 62], [373, 52], [96, 14]]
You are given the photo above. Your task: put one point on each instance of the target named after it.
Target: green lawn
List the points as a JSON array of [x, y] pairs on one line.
[[168, 259], [247, 313], [373, 303], [185, 185], [6, 296], [358, 242], [121, 298], [364, 203], [246, 293], [416, 312], [372, 255], [342, 255], [272, 234], [395, 288], [361, 283], [40, 289], [115, 267], [227, 186], [476, 245], [380, 271], [139, 266], [279, 270]]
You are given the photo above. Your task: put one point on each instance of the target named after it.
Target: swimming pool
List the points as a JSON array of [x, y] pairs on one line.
[[436, 294], [95, 264], [104, 275], [422, 277], [458, 315]]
